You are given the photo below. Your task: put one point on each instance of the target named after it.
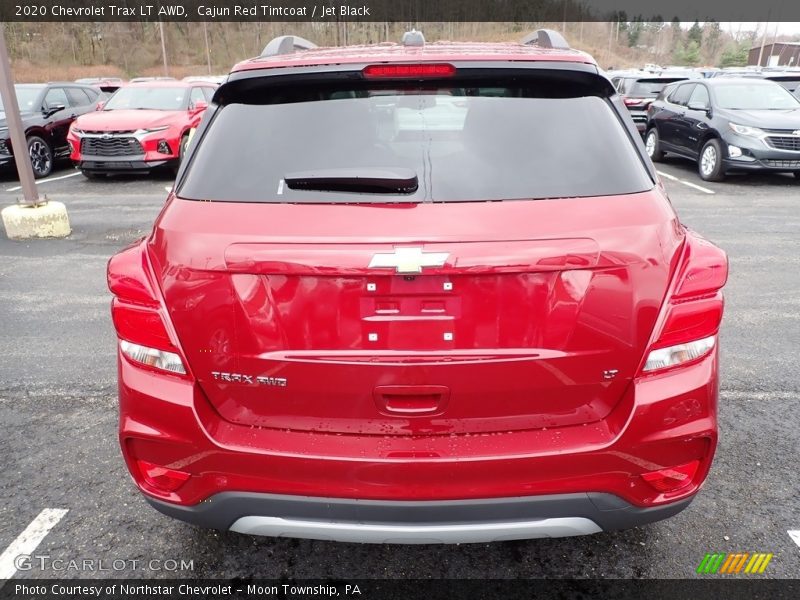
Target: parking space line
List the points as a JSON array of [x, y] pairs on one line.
[[795, 535], [41, 181], [686, 183], [29, 540]]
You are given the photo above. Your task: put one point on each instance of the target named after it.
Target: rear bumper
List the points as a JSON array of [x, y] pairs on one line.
[[588, 472], [459, 521], [639, 119]]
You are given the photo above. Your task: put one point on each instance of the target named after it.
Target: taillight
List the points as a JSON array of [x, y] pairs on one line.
[[692, 315], [403, 71], [158, 359], [632, 101], [672, 356], [137, 313]]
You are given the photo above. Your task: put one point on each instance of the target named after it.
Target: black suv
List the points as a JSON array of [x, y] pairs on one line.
[[47, 110], [727, 124], [638, 90]]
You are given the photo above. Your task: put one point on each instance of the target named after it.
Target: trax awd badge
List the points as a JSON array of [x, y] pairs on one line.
[[252, 379], [408, 260]]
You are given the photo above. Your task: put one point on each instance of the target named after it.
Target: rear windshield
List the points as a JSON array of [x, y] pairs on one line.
[[650, 87], [458, 144], [790, 83]]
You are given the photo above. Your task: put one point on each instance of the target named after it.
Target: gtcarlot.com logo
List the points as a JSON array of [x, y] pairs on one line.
[[731, 564], [43, 562]]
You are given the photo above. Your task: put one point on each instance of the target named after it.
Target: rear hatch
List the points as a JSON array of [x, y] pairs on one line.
[[487, 291]]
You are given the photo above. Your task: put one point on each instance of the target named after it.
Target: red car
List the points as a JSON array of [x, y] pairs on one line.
[[418, 293], [143, 126]]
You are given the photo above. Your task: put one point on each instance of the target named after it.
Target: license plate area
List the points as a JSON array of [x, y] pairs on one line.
[[409, 311]]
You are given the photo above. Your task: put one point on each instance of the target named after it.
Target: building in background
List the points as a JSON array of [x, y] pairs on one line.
[[778, 54]]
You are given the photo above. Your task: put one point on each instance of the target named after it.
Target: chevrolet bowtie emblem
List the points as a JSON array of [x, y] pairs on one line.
[[408, 260]]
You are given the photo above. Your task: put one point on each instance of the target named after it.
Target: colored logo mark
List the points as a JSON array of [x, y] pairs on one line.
[[740, 562]]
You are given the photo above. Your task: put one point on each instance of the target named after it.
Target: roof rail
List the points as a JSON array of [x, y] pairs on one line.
[[286, 44], [413, 38], [546, 38]]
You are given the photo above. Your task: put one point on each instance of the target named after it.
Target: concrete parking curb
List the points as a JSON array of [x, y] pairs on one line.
[[47, 220]]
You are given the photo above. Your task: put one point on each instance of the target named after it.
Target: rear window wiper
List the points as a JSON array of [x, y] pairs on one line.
[[370, 180]]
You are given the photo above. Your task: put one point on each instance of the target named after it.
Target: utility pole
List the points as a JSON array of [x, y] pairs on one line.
[[763, 40], [15, 130], [163, 48], [208, 49], [34, 217]]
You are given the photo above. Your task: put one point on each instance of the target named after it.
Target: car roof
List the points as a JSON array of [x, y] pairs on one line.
[[661, 77], [722, 81], [399, 53], [69, 84], [161, 83]]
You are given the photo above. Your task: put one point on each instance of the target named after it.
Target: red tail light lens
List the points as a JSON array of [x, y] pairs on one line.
[[405, 71], [161, 478], [704, 270], [692, 315], [632, 101], [140, 324], [673, 478], [137, 315]]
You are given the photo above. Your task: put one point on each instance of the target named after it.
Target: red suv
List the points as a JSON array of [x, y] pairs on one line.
[[142, 126], [418, 293]]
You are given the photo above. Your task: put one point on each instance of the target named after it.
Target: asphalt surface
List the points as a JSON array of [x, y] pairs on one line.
[[58, 446]]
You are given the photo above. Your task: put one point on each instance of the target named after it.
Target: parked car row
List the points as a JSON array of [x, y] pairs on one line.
[[726, 124], [47, 110], [142, 126], [727, 120], [639, 88]]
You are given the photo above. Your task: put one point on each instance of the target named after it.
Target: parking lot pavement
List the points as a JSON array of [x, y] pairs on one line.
[[58, 446]]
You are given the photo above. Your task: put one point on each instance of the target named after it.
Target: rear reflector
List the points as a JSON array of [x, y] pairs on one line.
[[409, 71], [673, 478], [158, 359], [161, 478], [663, 358]]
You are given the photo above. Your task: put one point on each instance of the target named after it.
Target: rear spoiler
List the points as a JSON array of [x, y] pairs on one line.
[[257, 86]]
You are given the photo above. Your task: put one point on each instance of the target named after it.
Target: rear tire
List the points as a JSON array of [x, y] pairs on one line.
[[652, 144], [41, 156], [709, 163]]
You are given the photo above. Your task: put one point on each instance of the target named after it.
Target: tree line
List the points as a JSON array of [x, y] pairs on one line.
[[134, 48]]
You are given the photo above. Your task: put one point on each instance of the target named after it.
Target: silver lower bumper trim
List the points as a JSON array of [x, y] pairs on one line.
[[379, 533]]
